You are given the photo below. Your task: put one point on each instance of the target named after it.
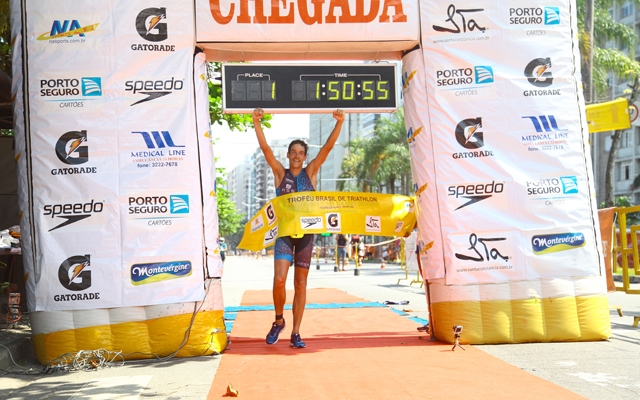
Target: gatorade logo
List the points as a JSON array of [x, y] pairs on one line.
[[333, 222]]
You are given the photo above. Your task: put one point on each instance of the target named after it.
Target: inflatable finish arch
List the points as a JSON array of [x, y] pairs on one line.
[[116, 169]]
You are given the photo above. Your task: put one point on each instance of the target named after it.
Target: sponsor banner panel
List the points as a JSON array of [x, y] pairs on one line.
[[484, 257], [524, 18], [561, 252], [164, 279], [156, 158], [65, 92], [68, 26], [154, 32], [160, 216], [207, 167], [78, 158], [161, 90], [77, 280], [306, 21], [422, 163], [540, 80], [465, 23], [92, 218], [472, 203], [297, 214]]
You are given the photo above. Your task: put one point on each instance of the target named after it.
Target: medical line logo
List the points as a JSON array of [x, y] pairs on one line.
[[309, 14]]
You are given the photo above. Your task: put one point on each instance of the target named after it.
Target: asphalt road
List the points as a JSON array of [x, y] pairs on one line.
[[596, 370]]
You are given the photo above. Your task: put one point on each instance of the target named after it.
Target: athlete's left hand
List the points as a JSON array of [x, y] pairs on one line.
[[338, 115]]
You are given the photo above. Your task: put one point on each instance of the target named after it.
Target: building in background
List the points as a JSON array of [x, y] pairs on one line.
[[258, 183], [627, 162], [320, 126]]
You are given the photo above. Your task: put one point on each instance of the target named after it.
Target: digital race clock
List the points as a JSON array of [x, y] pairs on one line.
[[309, 88]]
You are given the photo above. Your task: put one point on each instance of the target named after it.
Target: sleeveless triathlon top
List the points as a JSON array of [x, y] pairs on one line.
[[292, 184]]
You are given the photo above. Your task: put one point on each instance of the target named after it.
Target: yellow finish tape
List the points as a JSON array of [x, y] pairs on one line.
[[297, 214]]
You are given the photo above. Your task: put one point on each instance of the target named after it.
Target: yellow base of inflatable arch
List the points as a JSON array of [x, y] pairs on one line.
[[136, 332], [542, 317], [140, 340]]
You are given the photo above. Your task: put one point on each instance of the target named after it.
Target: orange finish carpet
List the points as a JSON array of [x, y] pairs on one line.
[[362, 353]]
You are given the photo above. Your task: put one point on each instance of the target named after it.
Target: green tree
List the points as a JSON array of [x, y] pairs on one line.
[[618, 61], [382, 160], [229, 219]]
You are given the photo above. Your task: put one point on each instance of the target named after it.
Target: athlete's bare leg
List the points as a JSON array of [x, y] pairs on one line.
[[300, 296], [280, 271]]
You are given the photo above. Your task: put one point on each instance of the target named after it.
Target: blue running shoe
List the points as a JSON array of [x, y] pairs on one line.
[[296, 342], [272, 336]]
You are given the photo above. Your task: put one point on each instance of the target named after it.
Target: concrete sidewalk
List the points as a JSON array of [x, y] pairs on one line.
[[597, 370]]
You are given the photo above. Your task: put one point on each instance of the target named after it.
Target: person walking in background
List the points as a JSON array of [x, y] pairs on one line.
[[293, 250], [223, 249], [341, 241]]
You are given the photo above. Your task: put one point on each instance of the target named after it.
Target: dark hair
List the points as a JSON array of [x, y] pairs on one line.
[[301, 143]]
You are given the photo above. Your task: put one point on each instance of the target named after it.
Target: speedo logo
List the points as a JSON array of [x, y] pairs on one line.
[[86, 87], [563, 185], [161, 271], [545, 244], [534, 16], [61, 30], [311, 222], [481, 74], [72, 212], [153, 89], [475, 193]]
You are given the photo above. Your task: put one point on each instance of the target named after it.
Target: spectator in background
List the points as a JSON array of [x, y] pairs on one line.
[[342, 250]]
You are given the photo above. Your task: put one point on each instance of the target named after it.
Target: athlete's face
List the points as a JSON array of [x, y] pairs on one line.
[[296, 155]]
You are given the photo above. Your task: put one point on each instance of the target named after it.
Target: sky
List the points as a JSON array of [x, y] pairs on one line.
[[231, 147]]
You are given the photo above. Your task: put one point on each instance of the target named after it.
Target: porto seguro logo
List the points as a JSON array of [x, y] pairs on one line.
[[546, 16], [553, 187], [67, 31], [151, 26], [481, 74], [545, 244], [159, 210], [71, 92], [160, 271]]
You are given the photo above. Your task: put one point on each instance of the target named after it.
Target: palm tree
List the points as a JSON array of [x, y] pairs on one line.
[[380, 161]]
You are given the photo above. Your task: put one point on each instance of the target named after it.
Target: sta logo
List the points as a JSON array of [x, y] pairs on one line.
[[74, 273], [150, 26], [487, 255], [459, 16]]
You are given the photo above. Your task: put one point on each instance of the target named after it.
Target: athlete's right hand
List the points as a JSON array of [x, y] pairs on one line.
[[258, 114]]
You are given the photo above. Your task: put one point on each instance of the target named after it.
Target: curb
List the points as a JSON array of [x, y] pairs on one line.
[[17, 348], [632, 278]]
